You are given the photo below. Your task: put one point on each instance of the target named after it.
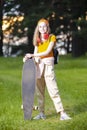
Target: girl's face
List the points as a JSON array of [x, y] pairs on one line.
[[42, 27]]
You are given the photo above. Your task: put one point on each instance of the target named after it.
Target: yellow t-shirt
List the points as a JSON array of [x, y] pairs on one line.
[[43, 46]]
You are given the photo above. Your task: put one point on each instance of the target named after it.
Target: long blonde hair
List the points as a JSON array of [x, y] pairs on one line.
[[37, 33]]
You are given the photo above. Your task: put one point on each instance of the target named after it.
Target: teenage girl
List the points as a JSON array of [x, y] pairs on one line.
[[44, 43]]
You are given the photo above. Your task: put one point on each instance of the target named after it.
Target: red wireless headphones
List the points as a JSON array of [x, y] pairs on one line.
[[46, 36]]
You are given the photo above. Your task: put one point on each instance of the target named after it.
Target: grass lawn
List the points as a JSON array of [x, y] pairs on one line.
[[71, 75]]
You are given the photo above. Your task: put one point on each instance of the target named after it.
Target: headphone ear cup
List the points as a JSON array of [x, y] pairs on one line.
[[46, 36]]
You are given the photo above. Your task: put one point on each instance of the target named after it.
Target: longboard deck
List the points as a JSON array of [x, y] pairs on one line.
[[28, 87]]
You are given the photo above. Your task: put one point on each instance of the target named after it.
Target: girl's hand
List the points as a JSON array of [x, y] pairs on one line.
[[37, 59], [27, 56]]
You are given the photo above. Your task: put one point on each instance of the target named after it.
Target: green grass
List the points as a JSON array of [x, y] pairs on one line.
[[71, 75]]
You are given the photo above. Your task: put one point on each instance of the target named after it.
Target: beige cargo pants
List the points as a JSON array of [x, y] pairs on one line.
[[48, 80]]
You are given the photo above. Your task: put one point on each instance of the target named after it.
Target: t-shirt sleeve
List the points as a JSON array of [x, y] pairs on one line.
[[53, 38]]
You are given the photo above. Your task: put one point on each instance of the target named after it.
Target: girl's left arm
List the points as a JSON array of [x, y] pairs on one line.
[[36, 54], [50, 47]]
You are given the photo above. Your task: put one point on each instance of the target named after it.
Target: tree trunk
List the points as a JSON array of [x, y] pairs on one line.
[[1, 32], [78, 46]]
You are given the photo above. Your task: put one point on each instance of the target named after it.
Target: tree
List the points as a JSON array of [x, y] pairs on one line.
[[62, 15], [1, 33], [33, 11]]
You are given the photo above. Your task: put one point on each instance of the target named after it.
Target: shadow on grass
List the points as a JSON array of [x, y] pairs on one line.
[[75, 110], [79, 108], [52, 115]]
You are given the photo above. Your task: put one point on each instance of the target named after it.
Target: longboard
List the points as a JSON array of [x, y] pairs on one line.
[[28, 87]]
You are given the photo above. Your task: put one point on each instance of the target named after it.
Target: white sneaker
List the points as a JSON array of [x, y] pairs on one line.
[[64, 116], [40, 116]]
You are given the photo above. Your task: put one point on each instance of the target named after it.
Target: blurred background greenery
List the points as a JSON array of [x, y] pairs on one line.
[[68, 21]]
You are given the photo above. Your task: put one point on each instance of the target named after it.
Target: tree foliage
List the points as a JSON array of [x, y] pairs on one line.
[[1, 33], [62, 15]]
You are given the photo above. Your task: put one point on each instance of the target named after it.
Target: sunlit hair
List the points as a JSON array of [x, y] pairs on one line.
[[43, 20], [37, 33]]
